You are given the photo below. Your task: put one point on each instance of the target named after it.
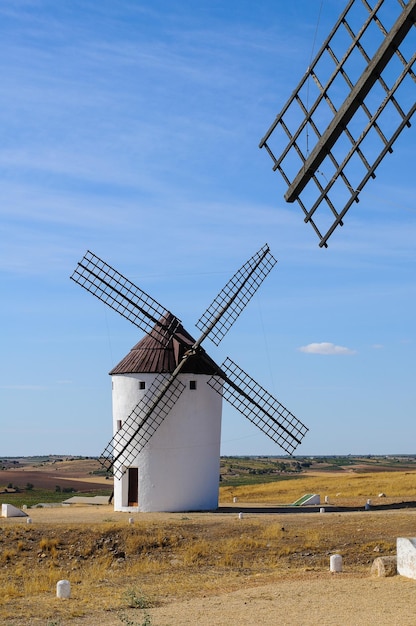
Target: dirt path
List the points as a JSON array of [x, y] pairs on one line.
[[326, 600], [337, 599]]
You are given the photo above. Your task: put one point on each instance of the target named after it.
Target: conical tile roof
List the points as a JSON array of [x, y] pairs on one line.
[[150, 356]]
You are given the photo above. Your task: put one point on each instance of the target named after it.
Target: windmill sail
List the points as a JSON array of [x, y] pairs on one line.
[[111, 287], [216, 321], [108, 285], [229, 303], [258, 406], [336, 128]]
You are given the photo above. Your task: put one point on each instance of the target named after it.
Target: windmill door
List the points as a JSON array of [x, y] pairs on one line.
[[133, 488]]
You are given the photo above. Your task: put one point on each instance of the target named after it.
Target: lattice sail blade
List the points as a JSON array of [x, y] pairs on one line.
[[229, 303], [350, 120], [141, 424], [258, 406], [119, 293]]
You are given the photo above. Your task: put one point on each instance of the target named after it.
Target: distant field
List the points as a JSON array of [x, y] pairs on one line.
[[30, 481], [255, 470], [346, 481]]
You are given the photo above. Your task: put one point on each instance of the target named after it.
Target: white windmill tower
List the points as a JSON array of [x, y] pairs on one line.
[[165, 449], [178, 469]]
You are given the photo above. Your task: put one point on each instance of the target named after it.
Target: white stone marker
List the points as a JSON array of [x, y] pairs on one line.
[[240, 516], [335, 563], [63, 589]]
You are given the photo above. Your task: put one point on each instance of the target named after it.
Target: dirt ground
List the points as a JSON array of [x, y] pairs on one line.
[[302, 598], [324, 600], [329, 599]]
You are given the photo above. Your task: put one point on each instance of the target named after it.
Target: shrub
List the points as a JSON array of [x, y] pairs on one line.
[[136, 599], [8, 555]]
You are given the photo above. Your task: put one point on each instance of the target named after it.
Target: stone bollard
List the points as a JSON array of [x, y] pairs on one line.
[[326, 499], [322, 510], [29, 520], [63, 589], [240, 516], [335, 563], [235, 499], [367, 505], [131, 520]]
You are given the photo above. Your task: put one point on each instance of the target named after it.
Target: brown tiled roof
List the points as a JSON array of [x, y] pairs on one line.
[[150, 356]]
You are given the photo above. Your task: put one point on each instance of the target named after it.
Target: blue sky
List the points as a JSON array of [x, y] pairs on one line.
[[131, 128]]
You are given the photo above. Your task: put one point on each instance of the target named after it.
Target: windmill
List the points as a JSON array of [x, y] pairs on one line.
[[165, 450]]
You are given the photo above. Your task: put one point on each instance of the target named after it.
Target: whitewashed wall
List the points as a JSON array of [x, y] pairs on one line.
[[179, 467]]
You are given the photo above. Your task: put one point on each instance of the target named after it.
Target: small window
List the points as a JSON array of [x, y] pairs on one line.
[[142, 384], [192, 385], [119, 424]]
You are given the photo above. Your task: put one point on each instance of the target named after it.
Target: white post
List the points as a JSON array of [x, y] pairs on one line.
[[63, 589], [335, 563]]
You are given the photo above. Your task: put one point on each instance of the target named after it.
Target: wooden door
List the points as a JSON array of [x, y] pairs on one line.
[[133, 492]]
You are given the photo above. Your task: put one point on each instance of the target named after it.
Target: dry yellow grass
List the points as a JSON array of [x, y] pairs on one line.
[[166, 557], [338, 486]]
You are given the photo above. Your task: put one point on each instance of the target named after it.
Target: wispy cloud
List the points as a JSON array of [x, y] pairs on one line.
[[23, 387], [325, 347]]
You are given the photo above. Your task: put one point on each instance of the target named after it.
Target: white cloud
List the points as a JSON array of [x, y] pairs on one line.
[[325, 348]]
